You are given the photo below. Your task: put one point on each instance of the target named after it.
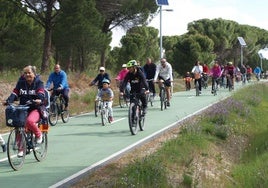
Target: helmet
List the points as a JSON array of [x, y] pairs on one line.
[[230, 63], [102, 69], [132, 63], [106, 81], [124, 65]]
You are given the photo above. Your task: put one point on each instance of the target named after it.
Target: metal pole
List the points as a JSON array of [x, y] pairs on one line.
[[261, 63], [241, 55], [161, 54]]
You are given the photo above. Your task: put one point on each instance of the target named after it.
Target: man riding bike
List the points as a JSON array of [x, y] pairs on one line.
[[164, 72], [60, 83], [137, 82]]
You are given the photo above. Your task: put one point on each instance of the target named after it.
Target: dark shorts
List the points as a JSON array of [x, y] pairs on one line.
[[166, 82]]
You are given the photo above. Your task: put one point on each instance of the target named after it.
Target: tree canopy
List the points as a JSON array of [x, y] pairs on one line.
[[77, 35]]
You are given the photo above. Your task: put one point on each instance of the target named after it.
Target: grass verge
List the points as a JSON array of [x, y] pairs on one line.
[[226, 146]]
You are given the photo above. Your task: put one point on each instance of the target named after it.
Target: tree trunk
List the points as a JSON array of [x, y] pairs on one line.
[[103, 52], [46, 50]]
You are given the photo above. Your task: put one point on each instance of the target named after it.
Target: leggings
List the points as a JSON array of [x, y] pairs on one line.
[[31, 122]]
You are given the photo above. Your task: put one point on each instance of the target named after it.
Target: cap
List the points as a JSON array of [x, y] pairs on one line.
[[102, 69]]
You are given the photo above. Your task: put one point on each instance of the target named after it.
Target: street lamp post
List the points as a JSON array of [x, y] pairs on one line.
[[160, 32], [161, 50]]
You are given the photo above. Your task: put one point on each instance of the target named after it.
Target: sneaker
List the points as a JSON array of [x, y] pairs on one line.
[[20, 154], [39, 140], [66, 108], [4, 147], [212, 92], [168, 104], [111, 119]]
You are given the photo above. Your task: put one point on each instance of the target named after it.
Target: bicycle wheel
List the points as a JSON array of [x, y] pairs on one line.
[[40, 150], [104, 116], [188, 87], [162, 98], [65, 116], [197, 88], [141, 121], [165, 100], [133, 118], [215, 89], [97, 107], [121, 101], [151, 98], [16, 143], [230, 86], [53, 114]]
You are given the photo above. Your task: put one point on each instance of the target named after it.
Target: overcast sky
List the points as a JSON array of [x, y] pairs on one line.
[[253, 12]]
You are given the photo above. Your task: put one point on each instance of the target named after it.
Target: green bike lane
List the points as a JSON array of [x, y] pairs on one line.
[[84, 144]]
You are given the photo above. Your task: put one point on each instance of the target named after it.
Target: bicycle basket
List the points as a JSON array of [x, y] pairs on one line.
[[16, 116]]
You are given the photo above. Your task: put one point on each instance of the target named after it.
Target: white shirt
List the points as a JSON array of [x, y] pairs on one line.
[[164, 72], [197, 69]]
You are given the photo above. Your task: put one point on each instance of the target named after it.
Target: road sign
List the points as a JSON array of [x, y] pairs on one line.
[[161, 2]]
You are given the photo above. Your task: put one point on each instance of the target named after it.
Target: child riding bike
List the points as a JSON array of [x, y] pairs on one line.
[[106, 95]]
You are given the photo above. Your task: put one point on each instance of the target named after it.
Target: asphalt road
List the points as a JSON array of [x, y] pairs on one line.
[[83, 144]]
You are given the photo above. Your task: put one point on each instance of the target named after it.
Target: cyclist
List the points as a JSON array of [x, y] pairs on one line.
[[149, 70], [107, 95], [30, 88], [164, 72], [187, 78], [257, 72], [197, 71], [249, 72], [229, 71], [243, 72], [98, 79], [120, 78], [215, 73], [3, 143], [137, 82], [60, 83]]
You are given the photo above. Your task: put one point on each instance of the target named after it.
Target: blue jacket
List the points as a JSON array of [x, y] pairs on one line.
[[58, 80]]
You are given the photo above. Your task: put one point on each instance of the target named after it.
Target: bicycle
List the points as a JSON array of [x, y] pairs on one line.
[[135, 114], [104, 113], [162, 95], [56, 109], [187, 83], [21, 141], [150, 95], [204, 80], [197, 92], [229, 82], [97, 107], [215, 85], [124, 99]]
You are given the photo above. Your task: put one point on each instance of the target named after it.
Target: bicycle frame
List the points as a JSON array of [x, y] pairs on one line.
[[135, 116], [163, 95], [104, 112], [197, 92], [57, 109], [215, 85], [150, 96]]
